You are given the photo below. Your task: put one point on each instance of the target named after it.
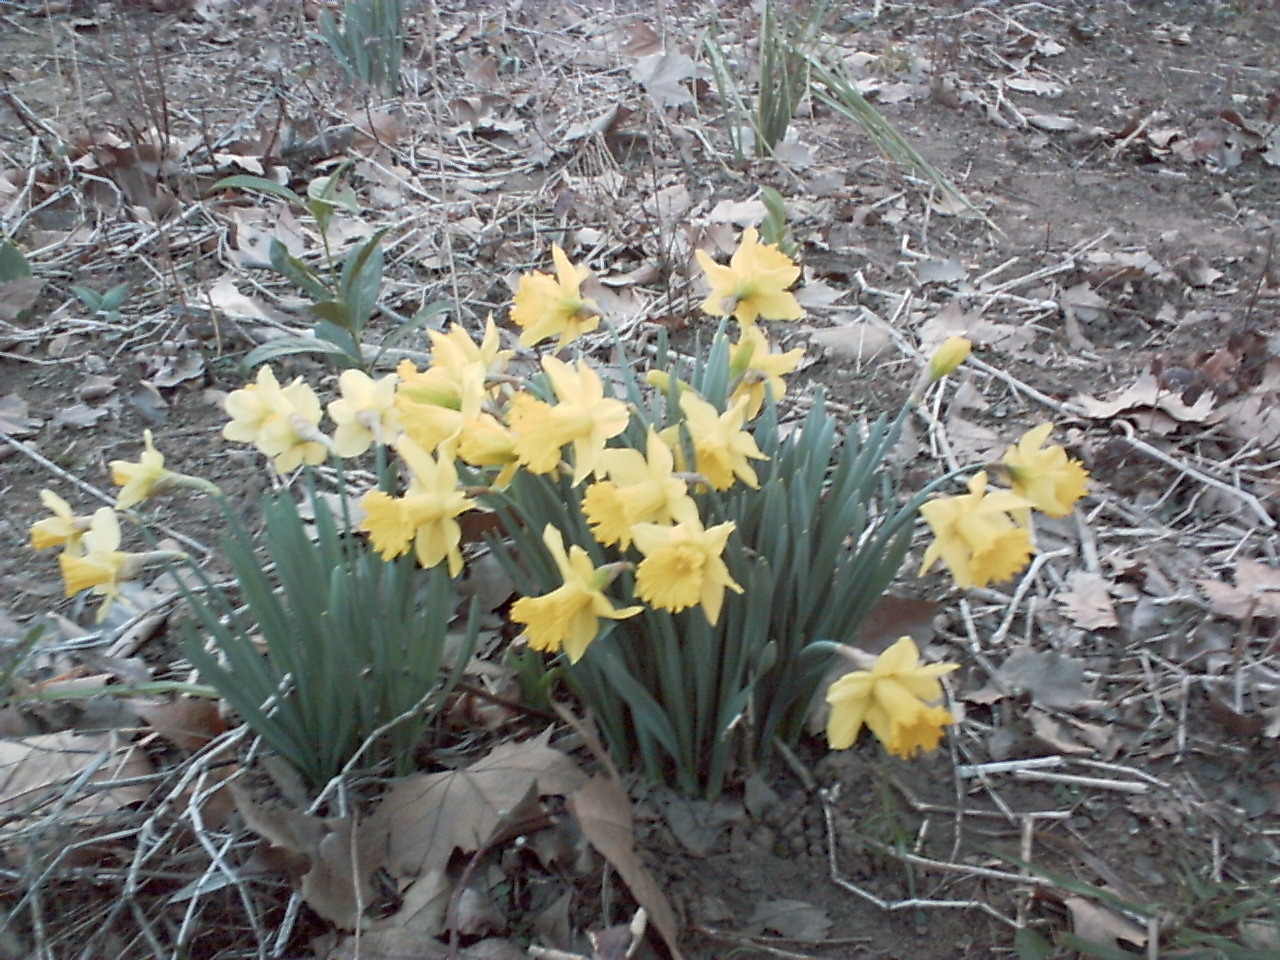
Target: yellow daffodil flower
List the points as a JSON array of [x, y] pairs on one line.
[[758, 370], [720, 445], [896, 698], [453, 354], [365, 414], [1046, 477], [641, 489], [753, 285], [424, 516], [568, 617], [584, 417], [682, 563], [485, 442], [149, 478], [546, 306], [950, 354], [103, 566], [63, 529], [975, 536], [283, 423]]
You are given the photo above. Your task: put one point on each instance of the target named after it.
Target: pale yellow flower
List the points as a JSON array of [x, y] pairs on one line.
[[721, 447], [758, 370], [897, 698], [283, 423], [63, 529], [425, 516], [975, 536], [568, 617], [365, 414], [641, 489], [1046, 477], [103, 565], [754, 284], [584, 417], [455, 360], [546, 306], [683, 564], [949, 355], [138, 481]]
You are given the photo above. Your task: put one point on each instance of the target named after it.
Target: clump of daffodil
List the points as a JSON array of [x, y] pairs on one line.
[[683, 563], [975, 536], [642, 488], [753, 285], [149, 478], [721, 447], [950, 354], [584, 417], [1044, 476], [365, 414], [282, 422], [569, 616], [63, 529], [547, 306], [897, 698], [758, 370], [425, 516]]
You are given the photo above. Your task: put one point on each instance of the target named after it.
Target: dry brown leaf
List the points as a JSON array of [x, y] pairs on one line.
[[14, 418], [187, 722], [1095, 923], [857, 342], [36, 771], [1256, 592], [1052, 678], [793, 919], [1146, 393], [424, 818], [603, 812], [1087, 602], [662, 76]]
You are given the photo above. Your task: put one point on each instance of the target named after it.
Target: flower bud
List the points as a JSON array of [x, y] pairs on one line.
[[947, 357]]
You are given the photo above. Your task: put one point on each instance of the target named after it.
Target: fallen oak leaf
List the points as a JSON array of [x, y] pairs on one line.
[[1256, 592]]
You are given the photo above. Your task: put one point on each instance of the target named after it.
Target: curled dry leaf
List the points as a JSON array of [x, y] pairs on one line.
[[1087, 601], [1256, 592]]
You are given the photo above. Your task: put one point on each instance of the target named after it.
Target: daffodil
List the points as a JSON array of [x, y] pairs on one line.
[[149, 478], [455, 360], [103, 565], [484, 442], [569, 616], [753, 285], [584, 416], [683, 563], [975, 536], [897, 698], [63, 529], [950, 354], [365, 414], [758, 370], [1046, 477], [721, 447], [641, 488], [425, 516], [547, 306], [282, 422]]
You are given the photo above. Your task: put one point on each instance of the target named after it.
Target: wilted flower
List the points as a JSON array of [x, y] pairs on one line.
[[975, 536], [547, 306], [1047, 478], [754, 284], [569, 616], [897, 698]]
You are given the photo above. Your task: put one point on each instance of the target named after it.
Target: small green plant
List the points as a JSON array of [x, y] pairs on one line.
[[103, 306], [368, 44], [345, 296]]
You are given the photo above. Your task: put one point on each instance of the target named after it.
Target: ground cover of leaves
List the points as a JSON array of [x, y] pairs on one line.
[[1115, 776]]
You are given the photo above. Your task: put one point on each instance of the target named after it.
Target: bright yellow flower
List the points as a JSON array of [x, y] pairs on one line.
[[949, 355], [1046, 477], [720, 445], [453, 354], [63, 529], [896, 698], [759, 370], [283, 423], [584, 417], [569, 616], [682, 564], [547, 306], [484, 442], [754, 284], [365, 414], [138, 481], [431, 424], [425, 515], [975, 536], [640, 489], [103, 565]]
